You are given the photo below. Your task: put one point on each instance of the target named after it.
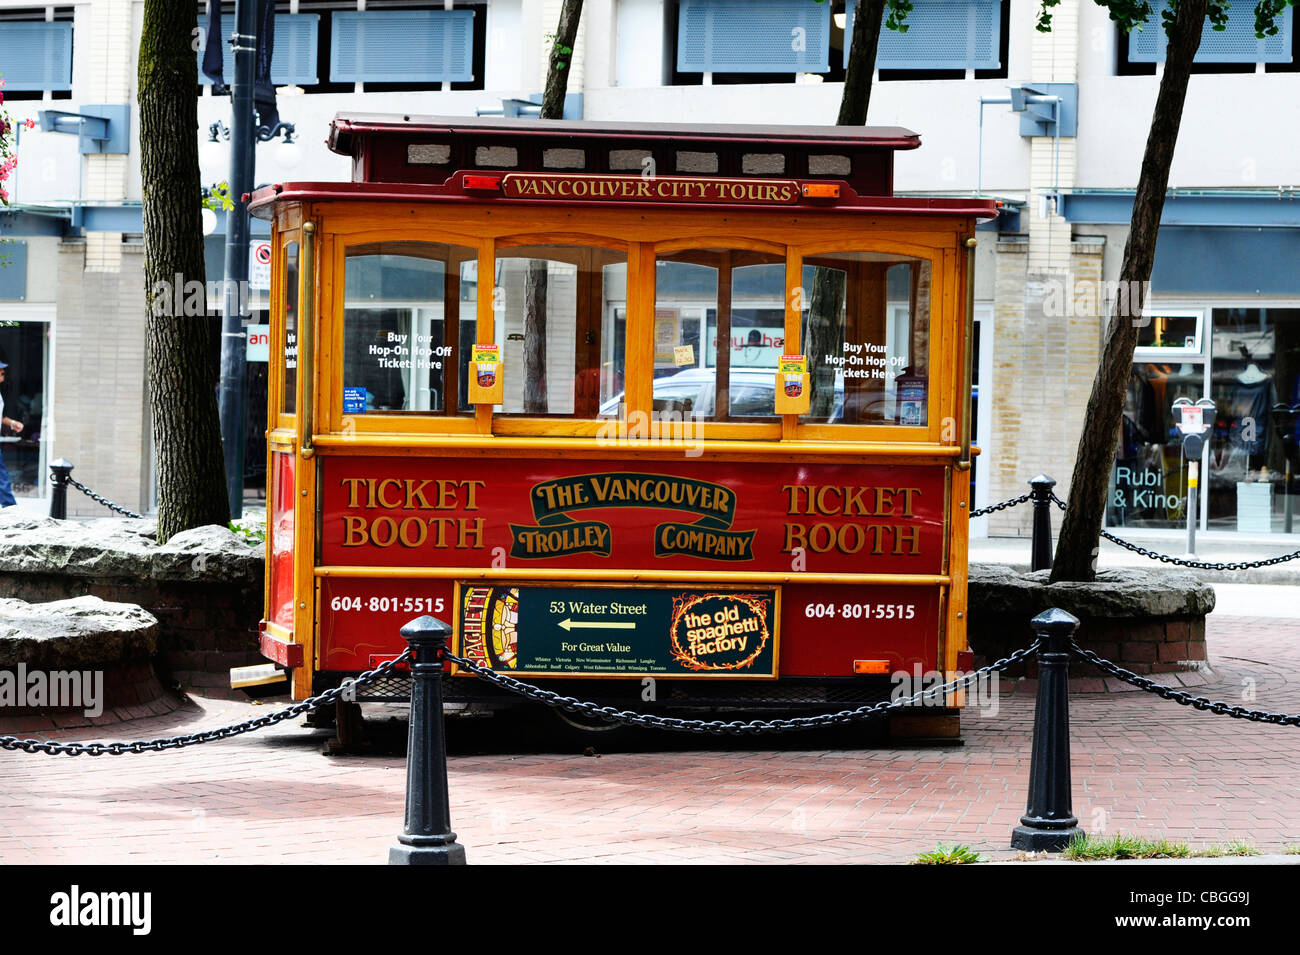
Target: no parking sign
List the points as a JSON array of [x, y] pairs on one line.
[[259, 265]]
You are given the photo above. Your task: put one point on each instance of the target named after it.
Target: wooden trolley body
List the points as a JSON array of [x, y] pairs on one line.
[[712, 548]]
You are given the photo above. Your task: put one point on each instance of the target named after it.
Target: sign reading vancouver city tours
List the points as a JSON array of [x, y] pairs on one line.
[[649, 189]]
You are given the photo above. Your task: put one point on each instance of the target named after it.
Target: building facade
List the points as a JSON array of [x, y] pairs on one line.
[[1053, 124]]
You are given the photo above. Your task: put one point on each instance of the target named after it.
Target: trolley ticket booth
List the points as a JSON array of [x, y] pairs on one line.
[[663, 415]]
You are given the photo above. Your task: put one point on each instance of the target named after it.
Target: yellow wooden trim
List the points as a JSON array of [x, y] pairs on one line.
[[880, 243], [724, 241], [639, 358], [396, 230], [434, 444], [405, 422], [282, 439], [277, 631], [304, 549], [307, 337], [702, 577], [580, 239], [490, 219]]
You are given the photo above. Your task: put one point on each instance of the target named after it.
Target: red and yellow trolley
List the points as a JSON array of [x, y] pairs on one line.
[[681, 412]]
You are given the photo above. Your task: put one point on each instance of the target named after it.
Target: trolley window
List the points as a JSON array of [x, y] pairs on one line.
[[719, 330], [561, 322], [289, 382], [408, 326], [866, 331]]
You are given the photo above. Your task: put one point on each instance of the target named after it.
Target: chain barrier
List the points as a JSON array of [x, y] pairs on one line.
[[735, 727], [1182, 696], [100, 499], [1010, 502], [52, 748], [1184, 562]]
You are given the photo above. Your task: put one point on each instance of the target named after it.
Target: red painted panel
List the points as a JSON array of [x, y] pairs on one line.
[[360, 618], [692, 515], [279, 538], [824, 627]]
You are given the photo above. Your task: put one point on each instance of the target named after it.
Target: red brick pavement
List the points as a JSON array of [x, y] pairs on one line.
[[1140, 765]]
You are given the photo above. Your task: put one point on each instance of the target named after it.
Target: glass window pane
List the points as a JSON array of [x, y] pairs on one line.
[[562, 329], [866, 332], [408, 312], [1255, 445], [289, 389], [705, 298], [1149, 483]]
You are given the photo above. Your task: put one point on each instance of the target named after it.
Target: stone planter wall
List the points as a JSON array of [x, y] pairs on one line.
[[1147, 622], [204, 585], [81, 641]]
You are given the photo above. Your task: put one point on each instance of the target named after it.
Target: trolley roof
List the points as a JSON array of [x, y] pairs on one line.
[[411, 157]]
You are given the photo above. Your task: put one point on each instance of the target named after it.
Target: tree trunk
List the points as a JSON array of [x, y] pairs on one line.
[[181, 369], [535, 401], [824, 338], [557, 85], [1081, 530], [561, 60], [862, 63]]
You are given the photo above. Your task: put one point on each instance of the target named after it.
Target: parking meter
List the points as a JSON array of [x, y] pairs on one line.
[[1193, 420], [1284, 423]]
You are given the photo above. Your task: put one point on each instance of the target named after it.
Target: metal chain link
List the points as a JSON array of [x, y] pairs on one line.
[[1010, 502], [52, 748], [721, 727], [100, 499], [1182, 696], [1183, 562]]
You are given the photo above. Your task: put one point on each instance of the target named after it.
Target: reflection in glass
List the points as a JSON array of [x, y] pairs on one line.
[[408, 321], [1149, 482], [719, 330], [1255, 384], [561, 329], [289, 387], [867, 334]]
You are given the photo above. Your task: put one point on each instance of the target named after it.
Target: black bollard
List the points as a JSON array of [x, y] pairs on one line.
[[60, 472], [1040, 491], [426, 837], [1048, 823]]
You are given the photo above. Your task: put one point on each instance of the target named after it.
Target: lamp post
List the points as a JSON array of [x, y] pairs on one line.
[[244, 135]]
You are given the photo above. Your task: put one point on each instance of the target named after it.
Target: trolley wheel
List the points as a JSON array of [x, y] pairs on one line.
[[590, 727]]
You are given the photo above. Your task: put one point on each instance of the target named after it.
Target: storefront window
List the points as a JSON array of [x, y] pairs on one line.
[[23, 347], [867, 337], [561, 326], [719, 330], [1149, 483], [1255, 384], [408, 322], [1250, 455]]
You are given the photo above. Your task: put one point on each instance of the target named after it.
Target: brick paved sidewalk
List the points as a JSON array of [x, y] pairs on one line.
[[1141, 765]]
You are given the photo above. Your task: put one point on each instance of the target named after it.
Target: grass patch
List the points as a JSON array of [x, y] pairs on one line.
[[1291, 850], [1086, 848], [948, 855], [1238, 848]]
